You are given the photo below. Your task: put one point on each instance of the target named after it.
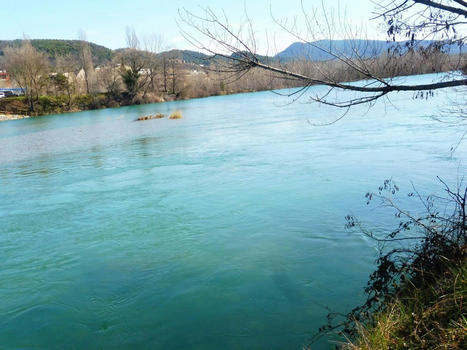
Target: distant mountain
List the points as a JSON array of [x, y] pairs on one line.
[[53, 48], [320, 50]]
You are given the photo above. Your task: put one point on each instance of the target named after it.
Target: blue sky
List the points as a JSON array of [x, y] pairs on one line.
[[104, 21]]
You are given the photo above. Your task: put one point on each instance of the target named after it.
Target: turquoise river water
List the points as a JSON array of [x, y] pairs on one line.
[[222, 230]]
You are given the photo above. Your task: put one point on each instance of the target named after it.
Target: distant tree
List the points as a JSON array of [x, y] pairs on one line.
[[30, 70], [153, 45], [132, 39], [130, 72], [60, 83], [165, 72], [173, 66], [133, 61], [170, 72], [110, 80], [65, 82], [86, 62]]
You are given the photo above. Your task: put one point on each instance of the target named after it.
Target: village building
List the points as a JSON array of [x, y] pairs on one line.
[[4, 75]]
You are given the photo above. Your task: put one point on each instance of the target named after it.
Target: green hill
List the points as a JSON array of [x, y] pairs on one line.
[[53, 48]]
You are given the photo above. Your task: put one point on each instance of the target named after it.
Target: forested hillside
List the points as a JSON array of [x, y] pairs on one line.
[[54, 48]]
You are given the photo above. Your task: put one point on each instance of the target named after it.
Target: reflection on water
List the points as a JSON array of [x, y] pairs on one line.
[[220, 230]]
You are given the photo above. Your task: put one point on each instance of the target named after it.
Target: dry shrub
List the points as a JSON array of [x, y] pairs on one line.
[[151, 97], [177, 114], [426, 317], [149, 117]]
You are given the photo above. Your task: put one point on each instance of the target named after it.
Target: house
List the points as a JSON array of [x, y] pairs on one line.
[[4, 75]]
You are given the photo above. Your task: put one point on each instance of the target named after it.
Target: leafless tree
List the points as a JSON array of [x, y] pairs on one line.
[[65, 77], [110, 80], [29, 68], [153, 45], [165, 72], [133, 62], [132, 39], [173, 75], [236, 48], [86, 62]]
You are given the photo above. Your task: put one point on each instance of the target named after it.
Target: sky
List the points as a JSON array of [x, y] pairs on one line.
[[105, 21]]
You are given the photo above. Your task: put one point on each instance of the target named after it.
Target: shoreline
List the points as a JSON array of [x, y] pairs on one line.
[[7, 117], [15, 116]]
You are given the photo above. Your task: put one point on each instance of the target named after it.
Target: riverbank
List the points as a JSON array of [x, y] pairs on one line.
[[416, 295], [45, 105], [6, 117], [425, 317], [13, 108], [58, 104]]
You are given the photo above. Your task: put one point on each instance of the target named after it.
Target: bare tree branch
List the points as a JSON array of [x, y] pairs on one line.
[[440, 6], [237, 50]]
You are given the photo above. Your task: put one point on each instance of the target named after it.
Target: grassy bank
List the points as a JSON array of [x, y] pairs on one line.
[[55, 104], [46, 105], [424, 316], [416, 296]]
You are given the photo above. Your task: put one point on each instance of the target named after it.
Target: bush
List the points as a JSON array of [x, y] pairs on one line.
[[176, 115], [14, 105], [82, 101], [51, 104], [414, 298], [85, 102], [151, 97]]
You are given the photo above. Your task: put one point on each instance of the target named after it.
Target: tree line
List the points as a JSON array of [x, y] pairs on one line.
[[133, 75], [73, 78]]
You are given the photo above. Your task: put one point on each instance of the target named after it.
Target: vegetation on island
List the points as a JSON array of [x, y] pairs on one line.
[[176, 115], [150, 116]]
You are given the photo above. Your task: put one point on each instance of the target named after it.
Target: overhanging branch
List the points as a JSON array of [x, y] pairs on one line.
[[386, 88], [456, 10]]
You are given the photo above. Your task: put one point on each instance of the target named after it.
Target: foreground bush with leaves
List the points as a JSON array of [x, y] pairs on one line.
[[416, 296]]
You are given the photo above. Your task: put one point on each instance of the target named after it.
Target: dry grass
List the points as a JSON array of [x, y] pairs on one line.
[[428, 317], [176, 115], [150, 116]]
